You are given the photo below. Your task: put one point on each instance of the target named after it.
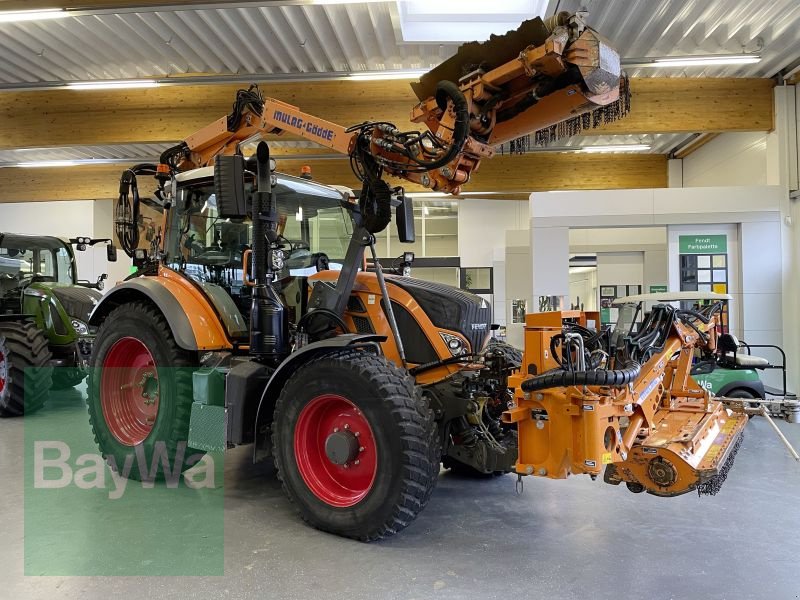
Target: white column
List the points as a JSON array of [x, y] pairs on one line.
[[550, 263], [675, 172]]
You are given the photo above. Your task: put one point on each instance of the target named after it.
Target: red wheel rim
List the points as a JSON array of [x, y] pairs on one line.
[[129, 391], [327, 422], [3, 371]]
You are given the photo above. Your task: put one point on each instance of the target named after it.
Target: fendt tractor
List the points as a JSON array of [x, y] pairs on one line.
[[44, 315], [249, 322]]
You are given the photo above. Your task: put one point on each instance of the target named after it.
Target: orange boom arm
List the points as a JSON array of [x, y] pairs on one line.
[[552, 78]]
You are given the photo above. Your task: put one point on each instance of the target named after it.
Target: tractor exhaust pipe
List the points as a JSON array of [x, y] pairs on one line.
[[269, 324]]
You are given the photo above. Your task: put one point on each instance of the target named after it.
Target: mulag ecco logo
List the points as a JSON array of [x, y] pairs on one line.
[[88, 471]]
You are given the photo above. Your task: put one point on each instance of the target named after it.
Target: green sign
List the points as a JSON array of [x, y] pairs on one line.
[[703, 244], [657, 289]]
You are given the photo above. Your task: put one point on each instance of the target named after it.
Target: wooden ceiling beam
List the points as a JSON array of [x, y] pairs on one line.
[[163, 114], [516, 175]]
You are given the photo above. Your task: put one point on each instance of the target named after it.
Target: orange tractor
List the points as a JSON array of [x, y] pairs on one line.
[[252, 318]]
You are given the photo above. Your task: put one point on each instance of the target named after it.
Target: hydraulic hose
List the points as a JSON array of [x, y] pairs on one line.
[[560, 378], [447, 90]]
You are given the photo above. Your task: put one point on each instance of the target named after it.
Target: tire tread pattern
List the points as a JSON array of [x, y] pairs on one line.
[[414, 418], [29, 373], [178, 358]]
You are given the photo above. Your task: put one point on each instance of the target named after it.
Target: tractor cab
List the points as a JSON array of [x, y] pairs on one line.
[[216, 252]]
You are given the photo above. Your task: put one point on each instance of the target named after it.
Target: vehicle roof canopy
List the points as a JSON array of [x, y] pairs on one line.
[[18, 241], [291, 192], [672, 297]]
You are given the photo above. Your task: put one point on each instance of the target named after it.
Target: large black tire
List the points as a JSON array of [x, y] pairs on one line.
[[513, 355], [170, 428], [25, 376], [67, 377], [405, 438]]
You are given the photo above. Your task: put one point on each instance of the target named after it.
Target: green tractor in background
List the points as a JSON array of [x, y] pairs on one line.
[[45, 339]]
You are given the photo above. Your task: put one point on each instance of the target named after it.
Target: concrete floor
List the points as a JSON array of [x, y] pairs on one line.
[[476, 539]]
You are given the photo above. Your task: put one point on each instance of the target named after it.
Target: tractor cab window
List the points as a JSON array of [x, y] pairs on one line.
[[210, 249], [24, 259]]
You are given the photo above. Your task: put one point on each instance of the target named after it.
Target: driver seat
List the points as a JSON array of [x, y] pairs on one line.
[[735, 352]]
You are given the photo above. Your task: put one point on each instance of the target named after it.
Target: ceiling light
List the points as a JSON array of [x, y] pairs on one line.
[[112, 85], [384, 75], [14, 16], [616, 148], [48, 163], [693, 61], [463, 20]]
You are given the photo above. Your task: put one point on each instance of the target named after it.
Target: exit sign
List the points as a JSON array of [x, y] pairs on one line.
[[703, 244]]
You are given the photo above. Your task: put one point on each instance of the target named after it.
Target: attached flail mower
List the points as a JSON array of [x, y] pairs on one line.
[[252, 319], [626, 404]]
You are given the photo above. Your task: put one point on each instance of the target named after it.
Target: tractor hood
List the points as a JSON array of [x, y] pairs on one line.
[[450, 308], [78, 302]]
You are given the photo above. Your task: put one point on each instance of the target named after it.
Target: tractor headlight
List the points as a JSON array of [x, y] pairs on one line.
[[80, 327], [454, 343]]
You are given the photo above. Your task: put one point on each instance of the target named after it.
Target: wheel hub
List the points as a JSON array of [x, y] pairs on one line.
[[341, 447], [129, 391], [335, 450]]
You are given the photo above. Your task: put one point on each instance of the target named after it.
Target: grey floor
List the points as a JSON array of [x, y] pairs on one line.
[[476, 539]]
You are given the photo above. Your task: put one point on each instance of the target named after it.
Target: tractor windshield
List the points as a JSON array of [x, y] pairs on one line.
[[210, 249], [35, 258]]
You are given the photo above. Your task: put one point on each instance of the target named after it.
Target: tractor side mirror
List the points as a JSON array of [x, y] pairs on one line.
[[405, 219], [229, 187], [111, 253]]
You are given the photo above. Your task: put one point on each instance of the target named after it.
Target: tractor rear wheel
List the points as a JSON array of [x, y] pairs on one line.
[[140, 394], [25, 374], [355, 445]]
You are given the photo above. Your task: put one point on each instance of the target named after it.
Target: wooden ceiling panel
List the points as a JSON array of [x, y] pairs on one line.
[[517, 175], [72, 118]]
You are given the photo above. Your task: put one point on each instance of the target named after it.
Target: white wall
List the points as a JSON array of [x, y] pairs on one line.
[[620, 268], [518, 280], [729, 159], [482, 226]]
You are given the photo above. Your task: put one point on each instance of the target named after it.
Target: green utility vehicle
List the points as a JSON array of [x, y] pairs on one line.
[[45, 339], [733, 371]]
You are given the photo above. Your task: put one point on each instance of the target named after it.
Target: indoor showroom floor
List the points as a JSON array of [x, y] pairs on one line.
[[476, 538]]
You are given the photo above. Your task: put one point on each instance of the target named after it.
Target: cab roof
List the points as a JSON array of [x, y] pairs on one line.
[[21, 241], [672, 297]]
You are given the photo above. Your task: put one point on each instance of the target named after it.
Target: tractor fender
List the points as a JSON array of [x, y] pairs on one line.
[[289, 366], [756, 387], [150, 290]]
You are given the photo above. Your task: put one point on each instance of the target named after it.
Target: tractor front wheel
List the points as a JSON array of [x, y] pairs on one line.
[[355, 445], [140, 394], [25, 374]]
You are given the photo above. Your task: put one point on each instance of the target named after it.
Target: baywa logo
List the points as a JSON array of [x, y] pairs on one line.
[[53, 468]]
